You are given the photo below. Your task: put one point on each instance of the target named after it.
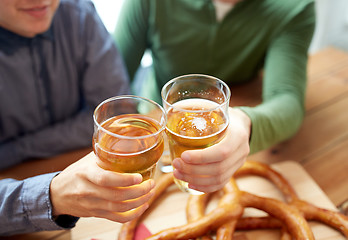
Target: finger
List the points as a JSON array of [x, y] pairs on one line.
[[123, 217], [107, 178], [126, 193], [234, 142], [208, 181], [202, 180], [216, 168], [207, 189], [95, 205], [215, 153], [201, 169]]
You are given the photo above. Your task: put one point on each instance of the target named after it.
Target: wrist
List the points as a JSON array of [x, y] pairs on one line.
[[235, 113], [54, 201]]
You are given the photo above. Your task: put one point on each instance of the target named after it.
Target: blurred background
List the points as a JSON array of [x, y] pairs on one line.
[[331, 29]]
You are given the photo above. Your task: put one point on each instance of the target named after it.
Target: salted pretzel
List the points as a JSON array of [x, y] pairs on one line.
[[291, 215]]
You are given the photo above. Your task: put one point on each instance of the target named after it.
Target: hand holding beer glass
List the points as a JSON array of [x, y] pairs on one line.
[[197, 115], [128, 135]]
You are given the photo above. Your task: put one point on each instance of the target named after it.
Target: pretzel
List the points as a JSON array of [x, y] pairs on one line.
[[265, 171], [334, 219], [309, 211], [290, 216], [293, 219], [228, 208], [195, 209], [128, 228], [232, 205]]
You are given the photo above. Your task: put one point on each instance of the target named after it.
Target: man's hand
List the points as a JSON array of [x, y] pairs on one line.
[[209, 169], [85, 190]]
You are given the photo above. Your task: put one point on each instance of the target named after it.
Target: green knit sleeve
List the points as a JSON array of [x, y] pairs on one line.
[[284, 85], [131, 33]]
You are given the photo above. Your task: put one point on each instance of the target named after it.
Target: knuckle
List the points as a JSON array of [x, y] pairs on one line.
[[89, 211], [120, 207], [196, 157], [144, 190], [123, 219], [82, 193], [220, 169], [100, 179], [119, 195], [220, 180], [212, 189], [247, 150], [86, 194], [186, 179], [225, 153]]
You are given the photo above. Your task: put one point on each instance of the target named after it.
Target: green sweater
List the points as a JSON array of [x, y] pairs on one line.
[[185, 37]]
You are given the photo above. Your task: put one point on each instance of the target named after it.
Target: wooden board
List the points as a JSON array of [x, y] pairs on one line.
[[169, 210]]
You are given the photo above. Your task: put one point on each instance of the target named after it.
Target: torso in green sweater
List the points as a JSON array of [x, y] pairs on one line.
[[185, 37]]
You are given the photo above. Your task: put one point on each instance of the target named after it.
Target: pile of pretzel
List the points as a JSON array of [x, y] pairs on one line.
[[291, 215]]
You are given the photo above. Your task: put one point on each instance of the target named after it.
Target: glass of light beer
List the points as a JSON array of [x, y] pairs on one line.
[[128, 134], [197, 114]]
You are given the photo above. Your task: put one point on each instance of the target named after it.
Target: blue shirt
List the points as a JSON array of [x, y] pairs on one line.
[[51, 84], [49, 87], [25, 206]]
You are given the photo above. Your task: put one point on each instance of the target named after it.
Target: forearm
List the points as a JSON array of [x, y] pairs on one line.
[[25, 206], [74, 133], [274, 121], [131, 34], [284, 84], [236, 114]]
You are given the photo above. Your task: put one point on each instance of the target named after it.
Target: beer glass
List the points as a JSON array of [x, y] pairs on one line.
[[128, 134], [197, 114]]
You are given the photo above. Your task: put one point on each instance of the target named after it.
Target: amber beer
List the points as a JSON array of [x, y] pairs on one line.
[[137, 154], [197, 114], [128, 134], [192, 124]]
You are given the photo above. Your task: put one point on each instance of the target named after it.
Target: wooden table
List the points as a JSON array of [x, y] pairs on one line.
[[320, 146], [164, 214]]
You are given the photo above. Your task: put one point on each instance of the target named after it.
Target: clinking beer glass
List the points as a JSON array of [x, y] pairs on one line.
[[128, 135], [197, 114]]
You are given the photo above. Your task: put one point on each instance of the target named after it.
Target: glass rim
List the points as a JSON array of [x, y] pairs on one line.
[[182, 77], [162, 123]]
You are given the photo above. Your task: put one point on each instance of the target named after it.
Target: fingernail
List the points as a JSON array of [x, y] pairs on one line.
[[146, 206], [185, 157], [152, 182], [177, 163], [137, 178], [177, 174], [152, 193]]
